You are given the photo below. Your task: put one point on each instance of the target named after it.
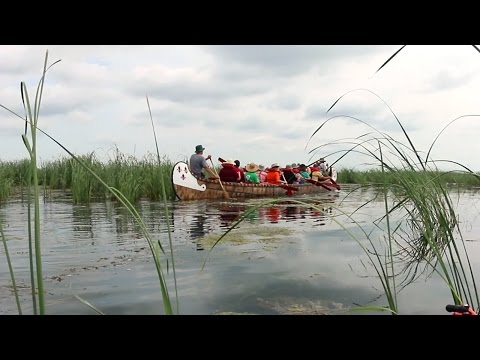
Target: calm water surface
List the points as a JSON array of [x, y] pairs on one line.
[[283, 259]]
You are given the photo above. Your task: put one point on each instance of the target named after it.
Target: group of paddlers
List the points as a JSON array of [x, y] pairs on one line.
[[231, 171]]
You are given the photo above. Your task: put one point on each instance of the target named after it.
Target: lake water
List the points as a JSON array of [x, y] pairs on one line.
[[283, 259]]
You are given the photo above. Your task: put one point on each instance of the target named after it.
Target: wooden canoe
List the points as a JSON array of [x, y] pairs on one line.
[[189, 187]]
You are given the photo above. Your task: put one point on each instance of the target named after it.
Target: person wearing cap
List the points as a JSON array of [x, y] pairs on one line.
[[323, 166], [198, 164], [251, 173]]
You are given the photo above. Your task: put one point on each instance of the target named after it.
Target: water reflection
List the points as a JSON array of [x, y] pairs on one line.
[[82, 222], [295, 261]]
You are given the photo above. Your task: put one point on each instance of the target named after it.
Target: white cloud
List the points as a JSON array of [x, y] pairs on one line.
[[253, 103]]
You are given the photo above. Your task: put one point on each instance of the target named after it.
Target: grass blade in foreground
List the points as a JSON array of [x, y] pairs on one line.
[[10, 269]]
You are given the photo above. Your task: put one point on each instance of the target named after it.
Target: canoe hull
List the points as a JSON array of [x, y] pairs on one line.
[[188, 187]]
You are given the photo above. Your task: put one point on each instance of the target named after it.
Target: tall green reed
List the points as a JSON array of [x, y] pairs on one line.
[[10, 269], [165, 207], [418, 192], [31, 119]]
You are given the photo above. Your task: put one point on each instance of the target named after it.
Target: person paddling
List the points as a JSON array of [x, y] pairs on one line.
[[198, 164]]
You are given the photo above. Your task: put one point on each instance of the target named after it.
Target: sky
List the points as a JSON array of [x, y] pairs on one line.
[[255, 103]]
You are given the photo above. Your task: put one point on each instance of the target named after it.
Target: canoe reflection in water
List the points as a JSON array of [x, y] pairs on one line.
[[282, 211], [289, 212], [211, 216]]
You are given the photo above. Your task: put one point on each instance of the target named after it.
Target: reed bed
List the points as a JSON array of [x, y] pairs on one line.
[[135, 178], [375, 176], [81, 173], [142, 178], [428, 239]]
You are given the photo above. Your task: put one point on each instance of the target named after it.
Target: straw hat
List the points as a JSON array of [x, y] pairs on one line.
[[252, 167]]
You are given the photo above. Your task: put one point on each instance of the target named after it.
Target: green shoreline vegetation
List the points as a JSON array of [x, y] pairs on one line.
[[141, 178]]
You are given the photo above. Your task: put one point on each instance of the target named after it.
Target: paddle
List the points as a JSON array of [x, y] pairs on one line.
[[319, 184], [287, 187], [225, 194], [335, 184]]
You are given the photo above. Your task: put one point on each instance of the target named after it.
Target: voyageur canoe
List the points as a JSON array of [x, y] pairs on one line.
[[189, 187]]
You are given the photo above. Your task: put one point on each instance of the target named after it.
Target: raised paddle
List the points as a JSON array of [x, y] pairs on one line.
[[311, 181], [335, 184], [225, 194]]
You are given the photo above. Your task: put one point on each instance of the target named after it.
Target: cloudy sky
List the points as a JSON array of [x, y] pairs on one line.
[[252, 103]]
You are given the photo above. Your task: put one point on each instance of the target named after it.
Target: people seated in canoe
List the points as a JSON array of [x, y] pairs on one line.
[[198, 164], [327, 180], [229, 172], [289, 175], [251, 175], [302, 170], [242, 172], [313, 168], [274, 175], [262, 174], [323, 166]]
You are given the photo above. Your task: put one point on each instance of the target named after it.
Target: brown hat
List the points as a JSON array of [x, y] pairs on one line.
[[252, 167]]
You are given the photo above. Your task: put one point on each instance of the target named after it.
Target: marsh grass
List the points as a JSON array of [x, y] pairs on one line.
[[135, 178], [375, 176], [142, 178], [420, 232], [10, 269], [85, 170], [429, 238]]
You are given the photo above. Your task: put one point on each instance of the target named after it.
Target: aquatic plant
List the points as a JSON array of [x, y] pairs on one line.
[[31, 119]]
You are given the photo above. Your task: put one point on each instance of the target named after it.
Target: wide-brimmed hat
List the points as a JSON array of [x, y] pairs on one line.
[[252, 167], [199, 148], [274, 165], [228, 162]]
